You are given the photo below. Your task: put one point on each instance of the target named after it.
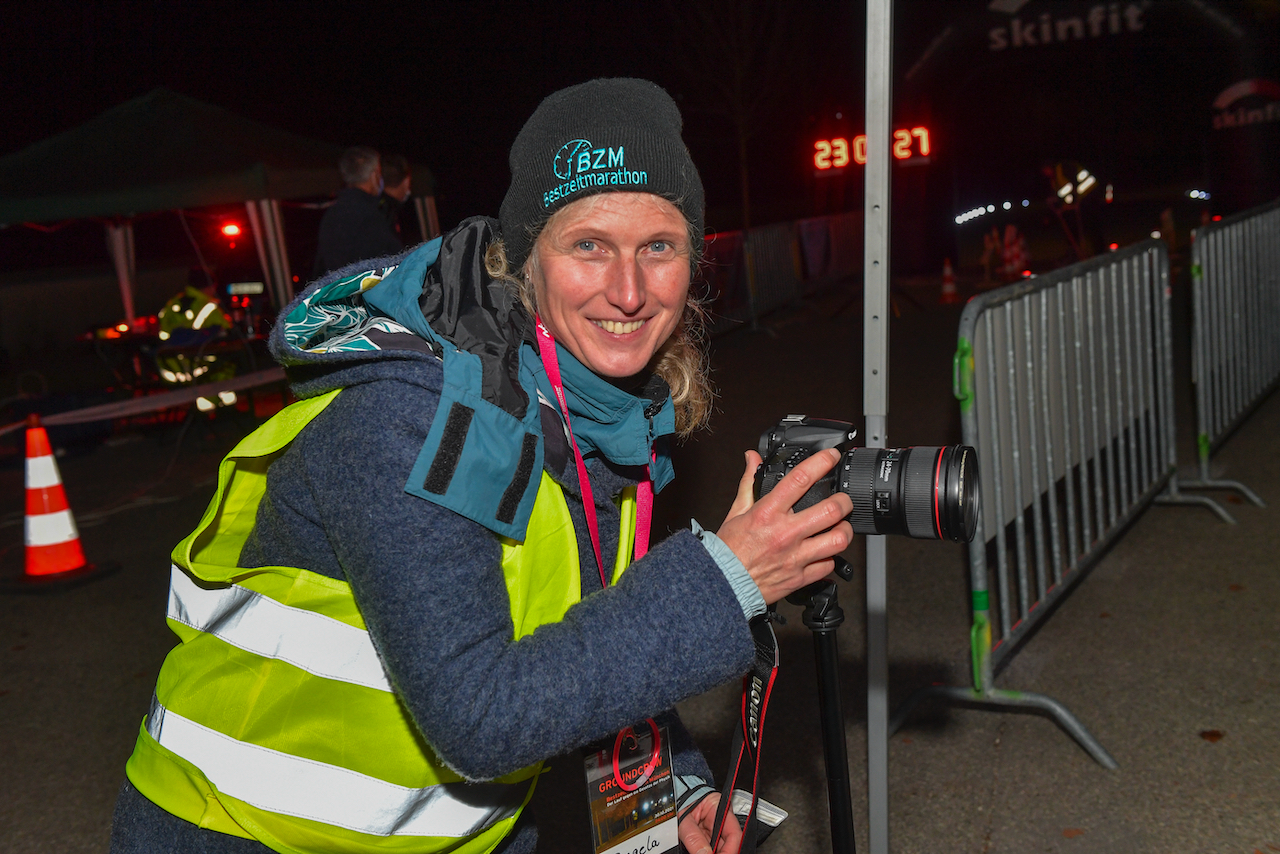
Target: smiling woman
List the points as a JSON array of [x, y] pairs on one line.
[[451, 542]]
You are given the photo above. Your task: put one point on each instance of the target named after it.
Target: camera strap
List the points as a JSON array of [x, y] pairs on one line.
[[744, 765], [644, 489]]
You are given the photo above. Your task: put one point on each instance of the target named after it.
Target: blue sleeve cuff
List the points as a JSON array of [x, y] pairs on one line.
[[690, 789], [742, 584]]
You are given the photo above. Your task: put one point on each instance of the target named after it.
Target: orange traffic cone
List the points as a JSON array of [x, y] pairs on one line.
[[54, 555], [949, 295]]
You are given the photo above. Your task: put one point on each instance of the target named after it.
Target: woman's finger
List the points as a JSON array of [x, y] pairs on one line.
[[798, 481], [825, 514], [746, 487]]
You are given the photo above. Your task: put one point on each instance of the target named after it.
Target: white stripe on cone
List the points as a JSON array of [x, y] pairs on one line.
[[49, 529], [42, 472]]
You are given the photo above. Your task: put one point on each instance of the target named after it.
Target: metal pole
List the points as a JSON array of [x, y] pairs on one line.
[[260, 239], [120, 245], [279, 250], [875, 397]]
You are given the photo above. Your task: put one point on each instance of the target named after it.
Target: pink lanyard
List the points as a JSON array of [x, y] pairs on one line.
[[644, 489]]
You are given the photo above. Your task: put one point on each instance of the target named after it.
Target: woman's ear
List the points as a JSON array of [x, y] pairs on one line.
[[528, 293]]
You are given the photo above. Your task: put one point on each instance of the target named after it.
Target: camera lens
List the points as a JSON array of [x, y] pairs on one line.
[[928, 492]]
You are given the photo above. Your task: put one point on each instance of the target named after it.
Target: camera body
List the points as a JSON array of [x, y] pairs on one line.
[[927, 492]]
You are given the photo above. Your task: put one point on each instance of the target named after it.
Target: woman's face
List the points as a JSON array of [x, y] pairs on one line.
[[611, 274]]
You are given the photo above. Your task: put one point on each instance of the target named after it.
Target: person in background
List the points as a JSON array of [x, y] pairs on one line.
[[354, 228], [396, 180]]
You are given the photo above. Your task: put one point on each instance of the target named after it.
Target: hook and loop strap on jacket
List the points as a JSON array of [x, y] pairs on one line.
[[744, 770]]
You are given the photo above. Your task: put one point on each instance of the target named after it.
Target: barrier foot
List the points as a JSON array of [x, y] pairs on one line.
[[1171, 495], [1237, 486], [1020, 699], [1176, 498]]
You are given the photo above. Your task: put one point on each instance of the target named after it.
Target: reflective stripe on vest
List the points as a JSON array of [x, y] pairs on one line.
[[290, 785], [246, 619]]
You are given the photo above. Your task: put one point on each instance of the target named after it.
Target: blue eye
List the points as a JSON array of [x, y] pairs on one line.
[[659, 246], [587, 245]]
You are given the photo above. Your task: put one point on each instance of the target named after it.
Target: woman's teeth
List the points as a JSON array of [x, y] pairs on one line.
[[618, 327]]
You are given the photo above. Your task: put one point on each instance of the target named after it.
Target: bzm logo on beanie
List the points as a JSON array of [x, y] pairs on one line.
[[579, 165]]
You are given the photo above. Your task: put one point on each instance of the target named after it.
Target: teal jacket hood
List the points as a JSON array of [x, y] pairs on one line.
[[484, 450]]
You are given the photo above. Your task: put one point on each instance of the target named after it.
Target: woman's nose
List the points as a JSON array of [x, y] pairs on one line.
[[626, 289]]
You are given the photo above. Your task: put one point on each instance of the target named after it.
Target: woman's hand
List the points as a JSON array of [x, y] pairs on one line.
[[783, 550], [698, 824]]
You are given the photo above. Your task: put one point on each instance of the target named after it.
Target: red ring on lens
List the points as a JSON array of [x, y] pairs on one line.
[[937, 486]]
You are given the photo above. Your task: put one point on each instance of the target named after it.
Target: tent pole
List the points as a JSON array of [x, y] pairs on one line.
[[875, 399], [260, 242], [420, 210], [428, 219], [278, 248], [123, 258]]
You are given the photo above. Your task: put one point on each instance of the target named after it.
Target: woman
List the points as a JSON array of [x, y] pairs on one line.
[[410, 588]]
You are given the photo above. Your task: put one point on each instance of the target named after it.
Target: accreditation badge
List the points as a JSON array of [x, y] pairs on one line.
[[631, 792]]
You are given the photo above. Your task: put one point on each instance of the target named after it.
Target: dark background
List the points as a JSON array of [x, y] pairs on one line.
[[449, 84]]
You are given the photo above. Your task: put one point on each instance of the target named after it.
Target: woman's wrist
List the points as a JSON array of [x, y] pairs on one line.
[[740, 581], [690, 789]]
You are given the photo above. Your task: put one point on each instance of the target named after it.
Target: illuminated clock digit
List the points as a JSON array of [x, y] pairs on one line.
[[839, 152], [822, 154], [922, 134], [860, 149], [902, 144]]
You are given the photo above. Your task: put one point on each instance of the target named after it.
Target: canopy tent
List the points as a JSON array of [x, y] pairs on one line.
[[166, 151]]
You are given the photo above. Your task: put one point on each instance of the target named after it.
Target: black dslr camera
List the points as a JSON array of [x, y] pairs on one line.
[[928, 492]]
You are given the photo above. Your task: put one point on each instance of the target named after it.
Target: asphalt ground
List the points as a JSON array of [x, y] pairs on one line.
[[1167, 651]]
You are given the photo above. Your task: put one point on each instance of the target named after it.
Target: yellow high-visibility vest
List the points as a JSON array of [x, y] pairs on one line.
[[273, 718]]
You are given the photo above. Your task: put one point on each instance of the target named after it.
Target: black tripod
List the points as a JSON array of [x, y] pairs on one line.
[[823, 615]]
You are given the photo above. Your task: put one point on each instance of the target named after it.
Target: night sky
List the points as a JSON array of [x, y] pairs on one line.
[[449, 84]]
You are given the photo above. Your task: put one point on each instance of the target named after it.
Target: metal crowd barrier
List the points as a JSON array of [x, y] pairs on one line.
[[1235, 272], [1065, 384], [749, 274], [773, 268]]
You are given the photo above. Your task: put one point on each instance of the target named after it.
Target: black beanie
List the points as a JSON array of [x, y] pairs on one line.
[[602, 136]]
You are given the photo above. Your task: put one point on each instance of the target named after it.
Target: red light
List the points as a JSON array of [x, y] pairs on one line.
[[831, 153], [822, 154], [1217, 218], [1115, 246], [295, 278], [839, 153], [231, 230], [922, 134], [902, 144], [835, 153]]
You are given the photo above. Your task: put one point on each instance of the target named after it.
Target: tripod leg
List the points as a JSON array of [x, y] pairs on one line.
[[835, 754]]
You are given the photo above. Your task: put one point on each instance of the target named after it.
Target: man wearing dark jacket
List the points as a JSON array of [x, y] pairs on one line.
[[355, 228]]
